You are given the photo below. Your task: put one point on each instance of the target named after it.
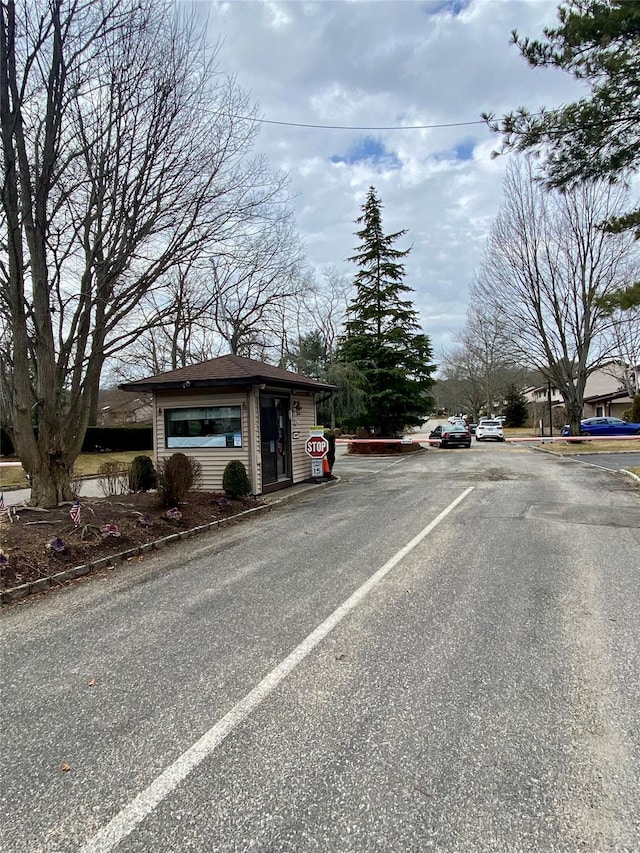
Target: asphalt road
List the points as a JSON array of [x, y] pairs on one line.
[[439, 652]]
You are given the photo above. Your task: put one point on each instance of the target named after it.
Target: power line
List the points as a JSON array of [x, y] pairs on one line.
[[357, 127]]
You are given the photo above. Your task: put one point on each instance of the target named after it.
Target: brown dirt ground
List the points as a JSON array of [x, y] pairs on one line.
[[25, 533]]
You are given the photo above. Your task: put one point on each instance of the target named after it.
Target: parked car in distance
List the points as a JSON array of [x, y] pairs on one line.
[[472, 428], [489, 430], [604, 426], [452, 435]]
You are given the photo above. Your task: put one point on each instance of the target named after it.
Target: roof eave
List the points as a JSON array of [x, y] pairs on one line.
[[191, 384]]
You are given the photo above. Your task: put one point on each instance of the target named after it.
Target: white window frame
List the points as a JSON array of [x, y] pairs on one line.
[[215, 436]]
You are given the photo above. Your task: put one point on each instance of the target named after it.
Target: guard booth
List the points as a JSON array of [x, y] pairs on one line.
[[236, 408]]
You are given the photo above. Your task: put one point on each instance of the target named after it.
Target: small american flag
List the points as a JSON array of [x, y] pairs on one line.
[[74, 512]]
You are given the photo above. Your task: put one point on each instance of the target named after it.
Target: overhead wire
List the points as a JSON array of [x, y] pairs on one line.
[[365, 127]]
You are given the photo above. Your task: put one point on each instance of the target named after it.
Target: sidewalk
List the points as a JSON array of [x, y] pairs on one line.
[[90, 489]]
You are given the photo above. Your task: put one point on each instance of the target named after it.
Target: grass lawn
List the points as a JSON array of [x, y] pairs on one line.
[[86, 465], [593, 446], [596, 446], [600, 445]]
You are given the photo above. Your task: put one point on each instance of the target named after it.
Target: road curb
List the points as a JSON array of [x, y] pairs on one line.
[[16, 593], [572, 458]]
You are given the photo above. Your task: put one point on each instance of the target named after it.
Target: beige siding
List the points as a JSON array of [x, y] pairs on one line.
[[614, 409], [255, 466], [604, 381], [302, 420], [212, 459]]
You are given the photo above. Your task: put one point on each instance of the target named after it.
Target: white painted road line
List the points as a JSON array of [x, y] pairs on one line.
[[135, 812]]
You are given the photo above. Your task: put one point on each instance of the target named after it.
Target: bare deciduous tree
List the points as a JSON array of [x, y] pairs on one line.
[[124, 152], [175, 324], [546, 264], [624, 335], [481, 363], [255, 281], [319, 315]]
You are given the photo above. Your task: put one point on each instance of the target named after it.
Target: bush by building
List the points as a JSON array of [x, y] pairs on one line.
[[235, 481], [142, 475], [177, 475]]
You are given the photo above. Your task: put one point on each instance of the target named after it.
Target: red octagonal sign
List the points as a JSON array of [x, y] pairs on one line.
[[317, 446]]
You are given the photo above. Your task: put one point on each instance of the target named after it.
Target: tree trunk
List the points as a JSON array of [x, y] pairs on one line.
[[573, 409], [93, 409], [50, 481]]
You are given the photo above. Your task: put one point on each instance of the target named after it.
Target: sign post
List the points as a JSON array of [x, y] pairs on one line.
[[317, 447]]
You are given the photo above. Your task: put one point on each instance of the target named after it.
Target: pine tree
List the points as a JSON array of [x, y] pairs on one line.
[[597, 42], [382, 334], [516, 410], [311, 356]]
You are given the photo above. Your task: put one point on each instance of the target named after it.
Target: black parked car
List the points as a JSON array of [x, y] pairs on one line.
[[452, 435]]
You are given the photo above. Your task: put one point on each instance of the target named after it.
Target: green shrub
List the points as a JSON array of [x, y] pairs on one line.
[[633, 414], [176, 476], [331, 436], [142, 475], [235, 481]]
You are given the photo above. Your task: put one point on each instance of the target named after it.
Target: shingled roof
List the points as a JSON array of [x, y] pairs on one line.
[[227, 370]]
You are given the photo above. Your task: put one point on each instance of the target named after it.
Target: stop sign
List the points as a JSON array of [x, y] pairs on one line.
[[317, 446]]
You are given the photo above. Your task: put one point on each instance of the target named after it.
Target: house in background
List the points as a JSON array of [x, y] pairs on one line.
[[543, 400], [604, 395], [115, 408], [235, 408]]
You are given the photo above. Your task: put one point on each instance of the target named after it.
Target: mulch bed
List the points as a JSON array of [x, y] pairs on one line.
[[379, 447], [37, 544]]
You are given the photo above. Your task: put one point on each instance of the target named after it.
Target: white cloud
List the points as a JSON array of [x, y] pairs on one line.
[[375, 63]]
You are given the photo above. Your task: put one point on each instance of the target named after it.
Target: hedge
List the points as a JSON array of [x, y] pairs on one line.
[[100, 439]]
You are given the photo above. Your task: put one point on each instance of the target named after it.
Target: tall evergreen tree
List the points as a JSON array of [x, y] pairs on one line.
[[597, 42], [383, 338], [515, 409], [309, 357]]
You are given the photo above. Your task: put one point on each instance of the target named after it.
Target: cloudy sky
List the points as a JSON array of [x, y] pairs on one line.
[[358, 64]]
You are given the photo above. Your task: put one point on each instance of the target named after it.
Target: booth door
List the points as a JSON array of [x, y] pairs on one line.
[[275, 450]]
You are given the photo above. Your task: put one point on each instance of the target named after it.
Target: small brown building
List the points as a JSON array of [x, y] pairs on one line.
[[235, 408]]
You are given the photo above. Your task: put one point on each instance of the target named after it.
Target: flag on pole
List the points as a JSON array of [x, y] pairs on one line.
[[74, 512]]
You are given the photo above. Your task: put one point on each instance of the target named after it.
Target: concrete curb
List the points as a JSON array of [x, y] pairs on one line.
[[58, 579], [571, 458], [298, 491], [16, 593]]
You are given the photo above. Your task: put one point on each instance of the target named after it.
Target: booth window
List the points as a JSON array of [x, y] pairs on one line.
[[214, 426]]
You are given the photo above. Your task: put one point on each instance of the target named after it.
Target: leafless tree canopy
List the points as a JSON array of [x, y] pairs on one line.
[[479, 369], [124, 152], [256, 284], [546, 264], [623, 335], [236, 297]]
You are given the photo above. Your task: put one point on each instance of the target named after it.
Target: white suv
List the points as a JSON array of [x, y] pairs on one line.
[[489, 430]]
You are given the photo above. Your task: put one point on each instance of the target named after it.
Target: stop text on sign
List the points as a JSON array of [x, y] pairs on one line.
[[316, 446]]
